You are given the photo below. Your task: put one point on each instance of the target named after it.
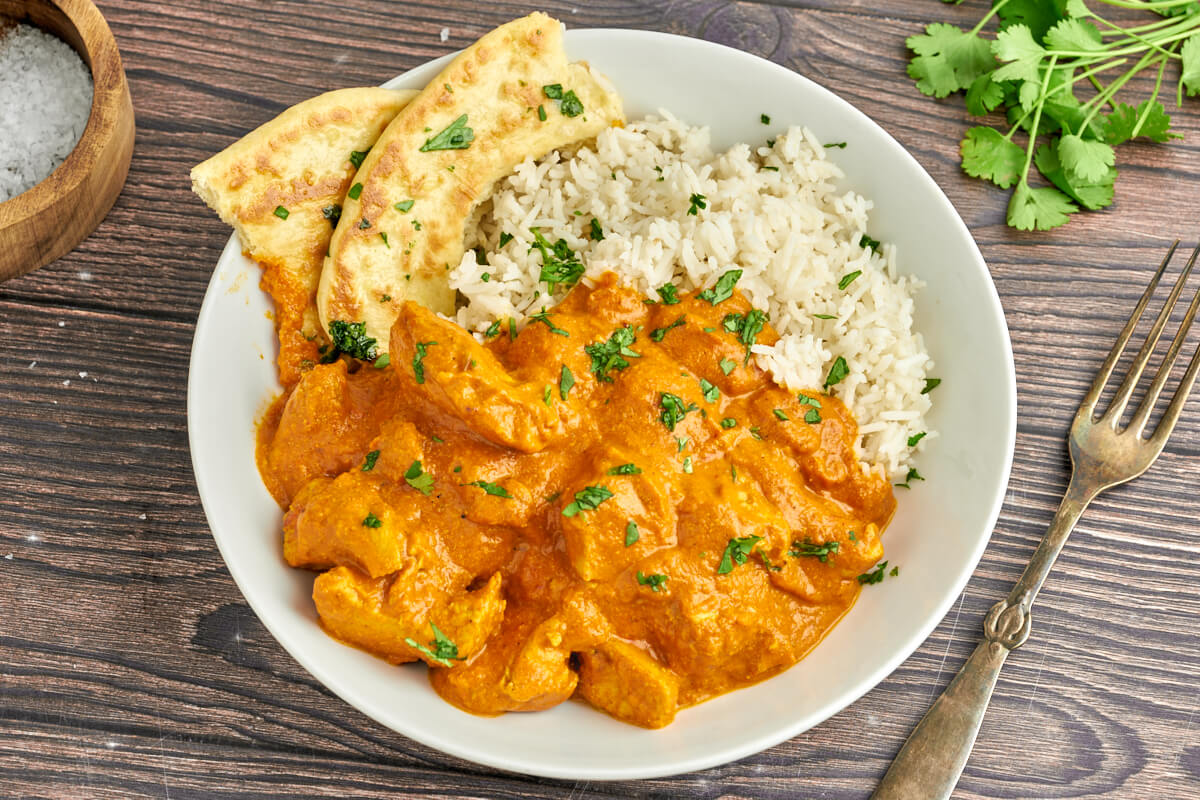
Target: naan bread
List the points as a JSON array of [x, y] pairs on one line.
[[404, 220], [278, 186]]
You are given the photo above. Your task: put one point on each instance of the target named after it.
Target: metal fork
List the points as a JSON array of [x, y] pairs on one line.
[[1102, 455]]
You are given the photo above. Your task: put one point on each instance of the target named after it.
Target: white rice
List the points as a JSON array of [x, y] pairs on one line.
[[791, 231]]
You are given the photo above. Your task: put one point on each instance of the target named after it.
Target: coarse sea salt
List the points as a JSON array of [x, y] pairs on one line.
[[45, 101]]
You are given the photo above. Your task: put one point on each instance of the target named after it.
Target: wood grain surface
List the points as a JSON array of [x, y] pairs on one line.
[[130, 664]]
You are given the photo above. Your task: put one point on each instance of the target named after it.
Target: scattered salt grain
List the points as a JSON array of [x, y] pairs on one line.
[[62, 324], [45, 101], [8, 557], [67, 382], [83, 374], [141, 516], [32, 364], [84, 275], [444, 35]]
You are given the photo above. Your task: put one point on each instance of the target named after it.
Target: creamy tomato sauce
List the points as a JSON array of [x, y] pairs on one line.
[[615, 503]]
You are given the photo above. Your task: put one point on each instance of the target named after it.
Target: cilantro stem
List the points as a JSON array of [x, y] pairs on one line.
[[996, 8], [1037, 119], [1137, 128], [1146, 4], [1129, 33], [1096, 102], [1148, 27]]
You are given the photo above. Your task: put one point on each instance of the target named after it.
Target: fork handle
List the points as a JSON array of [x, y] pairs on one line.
[[930, 762]]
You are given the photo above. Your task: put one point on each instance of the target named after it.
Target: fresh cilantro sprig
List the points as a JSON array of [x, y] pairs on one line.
[[1042, 52]]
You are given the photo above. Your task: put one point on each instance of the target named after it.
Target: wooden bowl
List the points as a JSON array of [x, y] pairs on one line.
[[48, 220]]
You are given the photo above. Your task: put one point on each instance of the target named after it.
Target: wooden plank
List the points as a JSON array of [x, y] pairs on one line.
[[134, 666]]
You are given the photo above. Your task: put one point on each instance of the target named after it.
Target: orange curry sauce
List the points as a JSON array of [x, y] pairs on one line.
[[534, 520]]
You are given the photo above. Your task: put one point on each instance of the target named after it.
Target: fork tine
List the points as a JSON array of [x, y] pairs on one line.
[[1121, 398], [1171, 415], [1088, 406], [1138, 423]]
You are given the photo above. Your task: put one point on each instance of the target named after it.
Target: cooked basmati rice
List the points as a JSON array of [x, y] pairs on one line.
[[774, 212]]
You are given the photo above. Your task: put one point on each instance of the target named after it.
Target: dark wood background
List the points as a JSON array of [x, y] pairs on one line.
[[129, 663]]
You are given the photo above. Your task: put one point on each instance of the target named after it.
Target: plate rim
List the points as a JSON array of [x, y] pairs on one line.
[[446, 744]]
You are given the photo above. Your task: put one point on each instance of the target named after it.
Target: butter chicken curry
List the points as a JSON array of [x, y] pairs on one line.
[[615, 502]]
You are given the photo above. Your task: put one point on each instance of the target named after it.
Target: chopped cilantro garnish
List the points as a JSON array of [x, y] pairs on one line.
[[351, 338], [440, 649], [916, 437], [736, 552], [930, 385], [698, 201], [658, 334], [383, 236], [546, 394], [357, 156], [840, 145], [364, 224], [422, 481], [710, 392], [588, 499], [866, 242], [687, 465], [332, 213], [848, 279], [355, 191], [728, 365], [779, 414], [571, 105], [544, 317], [505, 238], [912, 475], [631, 534], [747, 327], [542, 113], [673, 409], [492, 329], [837, 372], [512, 329], [611, 354], [626, 469], [723, 289], [595, 233], [565, 381], [553, 91], [418, 361], [874, 576], [494, 489], [456, 136], [764, 119], [812, 416], [655, 582], [281, 212], [824, 316], [559, 263], [372, 521], [404, 206], [821, 552], [369, 462], [383, 361], [729, 422], [669, 294]]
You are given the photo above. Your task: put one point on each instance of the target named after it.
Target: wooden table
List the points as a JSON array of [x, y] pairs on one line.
[[129, 662]]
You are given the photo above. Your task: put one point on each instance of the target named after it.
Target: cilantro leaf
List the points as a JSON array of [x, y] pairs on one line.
[[1073, 34], [987, 154], [611, 354], [1036, 15], [1149, 119], [948, 59], [1016, 47], [736, 552], [456, 136], [1189, 76], [723, 289], [351, 338], [1089, 194], [1087, 159], [1038, 209], [418, 479], [587, 499], [984, 95]]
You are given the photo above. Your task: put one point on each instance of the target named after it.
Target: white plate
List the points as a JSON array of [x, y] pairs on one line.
[[937, 537]]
